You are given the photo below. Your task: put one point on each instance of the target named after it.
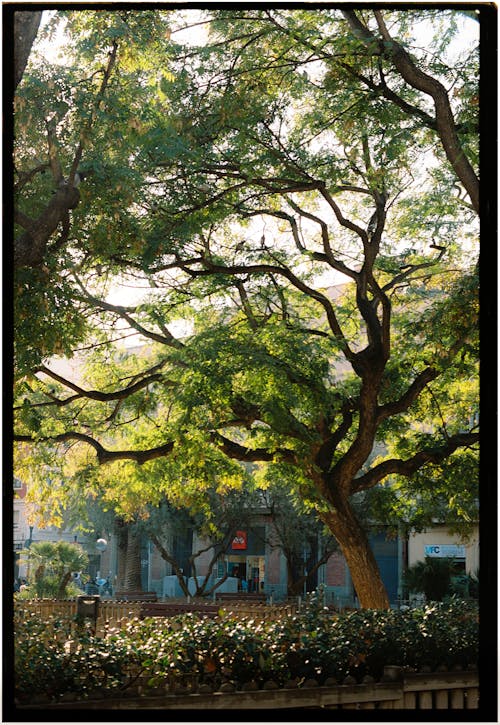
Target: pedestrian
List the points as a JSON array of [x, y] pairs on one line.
[[91, 587]]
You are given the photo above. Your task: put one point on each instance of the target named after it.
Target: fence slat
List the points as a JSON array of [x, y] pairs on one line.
[[410, 700], [425, 700], [472, 698], [457, 699], [441, 699]]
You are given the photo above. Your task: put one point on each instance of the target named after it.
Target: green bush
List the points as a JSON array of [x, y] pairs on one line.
[[52, 564], [54, 657], [431, 577]]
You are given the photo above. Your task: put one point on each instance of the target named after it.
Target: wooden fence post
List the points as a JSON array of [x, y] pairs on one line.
[[392, 673]]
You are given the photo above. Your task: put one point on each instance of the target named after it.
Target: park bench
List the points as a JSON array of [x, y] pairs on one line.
[[172, 609], [241, 597], [136, 596]]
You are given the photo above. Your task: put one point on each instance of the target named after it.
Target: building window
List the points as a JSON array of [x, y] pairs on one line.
[[17, 484]]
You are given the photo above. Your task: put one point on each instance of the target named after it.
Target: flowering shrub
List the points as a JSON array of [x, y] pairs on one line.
[[55, 657]]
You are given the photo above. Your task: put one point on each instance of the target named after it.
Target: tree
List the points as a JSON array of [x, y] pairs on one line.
[[66, 112], [293, 147], [432, 577], [214, 517], [301, 537], [52, 564]]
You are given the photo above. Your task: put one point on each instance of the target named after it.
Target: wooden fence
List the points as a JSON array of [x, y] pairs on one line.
[[114, 613], [420, 691]]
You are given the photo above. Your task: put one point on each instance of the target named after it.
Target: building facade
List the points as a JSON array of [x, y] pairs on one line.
[[24, 534], [253, 561], [438, 542]]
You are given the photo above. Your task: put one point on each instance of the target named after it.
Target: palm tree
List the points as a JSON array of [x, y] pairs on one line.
[[53, 564]]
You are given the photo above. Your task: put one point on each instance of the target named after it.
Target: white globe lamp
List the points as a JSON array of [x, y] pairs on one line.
[[101, 545]]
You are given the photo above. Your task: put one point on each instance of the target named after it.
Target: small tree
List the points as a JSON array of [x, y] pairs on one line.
[[305, 542], [53, 564], [214, 517], [432, 577]]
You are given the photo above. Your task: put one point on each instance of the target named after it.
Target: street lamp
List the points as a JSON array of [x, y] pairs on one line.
[[28, 546], [101, 545], [305, 571]]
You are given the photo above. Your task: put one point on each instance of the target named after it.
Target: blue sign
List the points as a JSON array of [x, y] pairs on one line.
[[445, 551]]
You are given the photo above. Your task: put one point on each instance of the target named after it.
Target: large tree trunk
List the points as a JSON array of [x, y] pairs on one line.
[[121, 529], [357, 552], [132, 580]]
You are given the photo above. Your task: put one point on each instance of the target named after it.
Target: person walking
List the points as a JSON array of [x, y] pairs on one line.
[[91, 587]]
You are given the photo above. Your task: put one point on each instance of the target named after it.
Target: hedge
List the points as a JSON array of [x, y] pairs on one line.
[[54, 656]]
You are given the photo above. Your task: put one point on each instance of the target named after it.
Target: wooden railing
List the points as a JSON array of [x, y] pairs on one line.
[[112, 613], [422, 691]]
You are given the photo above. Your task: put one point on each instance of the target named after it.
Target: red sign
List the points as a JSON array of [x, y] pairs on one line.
[[240, 540]]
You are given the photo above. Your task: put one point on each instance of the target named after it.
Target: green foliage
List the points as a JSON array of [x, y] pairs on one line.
[[51, 565], [432, 577], [314, 644], [53, 657]]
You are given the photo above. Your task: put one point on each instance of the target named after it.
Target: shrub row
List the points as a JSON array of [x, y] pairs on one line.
[[54, 656]]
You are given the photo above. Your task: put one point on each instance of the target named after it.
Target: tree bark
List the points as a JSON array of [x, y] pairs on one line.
[[132, 579], [357, 552], [121, 534], [31, 245], [26, 25]]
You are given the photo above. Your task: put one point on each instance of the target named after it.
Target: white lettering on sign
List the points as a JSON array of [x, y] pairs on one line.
[[445, 551]]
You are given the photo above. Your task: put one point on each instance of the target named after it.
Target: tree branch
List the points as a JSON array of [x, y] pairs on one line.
[[242, 453], [97, 394], [164, 339], [409, 466], [103, 454], [26, 24], [404, 402], [416, 78]]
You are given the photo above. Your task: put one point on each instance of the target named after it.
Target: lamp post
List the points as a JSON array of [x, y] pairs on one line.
[[305, 571], [101, 545], [28, 546]]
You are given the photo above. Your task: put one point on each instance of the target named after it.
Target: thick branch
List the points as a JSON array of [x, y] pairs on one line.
[[404, 402], [97, 394], [26, 24], [26, 176], [30, 246], [242, 453], [103, 454], [325, 454], [421, 81], [409, 466]]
